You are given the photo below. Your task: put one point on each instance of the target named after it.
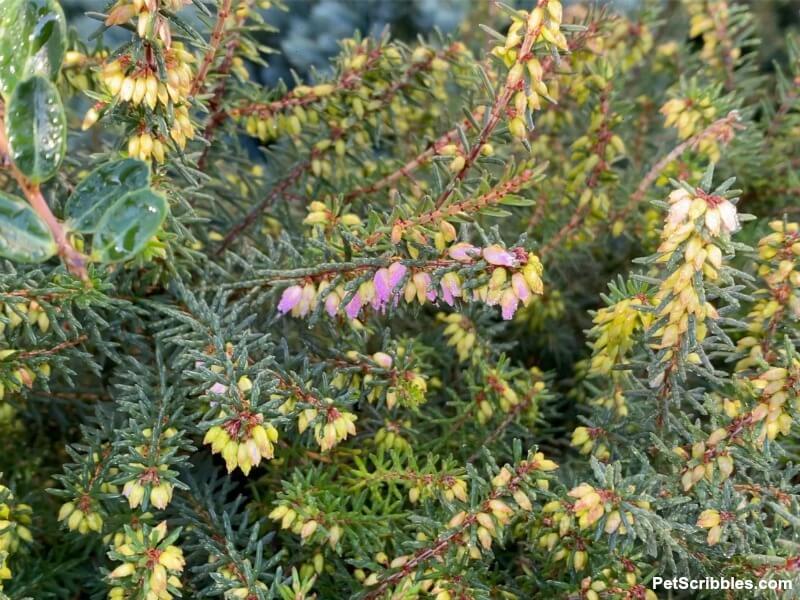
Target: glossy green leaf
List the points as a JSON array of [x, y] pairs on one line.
[[494, 211], [127, 225], [24, 237], [33, 40], [36, 128], [104, 186], [514, 200]]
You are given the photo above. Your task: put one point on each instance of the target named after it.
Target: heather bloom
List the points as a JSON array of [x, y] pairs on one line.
[[451, 287], [134, 492], [509, 303], [385, 283], [681, 201], [497, 283], [306, 303], [354, 306], [290, 298], [383, 359], [463, 252], [497, 255], [389, 284], [332, 301], [337, 427], [711, 520], [397, 271], [702, 260], [422, 284], [721, 217], [218, 388], [521, 288], [719, 213], [383, 290]]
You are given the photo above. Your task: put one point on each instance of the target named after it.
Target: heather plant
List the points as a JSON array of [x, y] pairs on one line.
[[508, 313]]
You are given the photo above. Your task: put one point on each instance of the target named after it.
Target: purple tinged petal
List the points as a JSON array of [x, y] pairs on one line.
[[354, 306], [383, 359], [713, 220], [497, 255], [422, 282], [679, 211], [447, 294], [397, 271], [509, 304], [382, 289], [218, 388], [462, 251], [332, 304], [679, 195], [289, 299], [307, 301], [451, 288], [521, 288]]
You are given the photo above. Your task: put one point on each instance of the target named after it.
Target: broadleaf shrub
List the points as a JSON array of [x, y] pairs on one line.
[[507, 314]]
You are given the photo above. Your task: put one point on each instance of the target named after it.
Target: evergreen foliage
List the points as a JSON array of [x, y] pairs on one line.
[[350, 335]]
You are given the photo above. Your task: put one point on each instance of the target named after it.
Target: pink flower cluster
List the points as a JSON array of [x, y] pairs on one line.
[[515, 276]]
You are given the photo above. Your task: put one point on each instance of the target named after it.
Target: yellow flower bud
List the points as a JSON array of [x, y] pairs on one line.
[[517, 128]]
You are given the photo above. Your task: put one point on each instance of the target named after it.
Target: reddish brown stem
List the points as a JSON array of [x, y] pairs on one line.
[[722, 129], [279, 188], [283, 185], [727, 46], [215, 109], [548, 64], [349, 80], [213, 46], [441, 544], [496, 113], [407, 169], [783, 109], [54, 350], [493, 196], [527, 401]]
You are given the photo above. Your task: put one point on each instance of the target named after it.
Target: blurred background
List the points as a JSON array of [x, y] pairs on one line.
[[307, 32]]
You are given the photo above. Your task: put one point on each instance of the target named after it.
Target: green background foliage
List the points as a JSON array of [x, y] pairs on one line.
[[294, 306]]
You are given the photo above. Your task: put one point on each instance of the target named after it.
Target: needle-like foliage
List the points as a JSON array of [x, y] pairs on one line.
[[350, 336]]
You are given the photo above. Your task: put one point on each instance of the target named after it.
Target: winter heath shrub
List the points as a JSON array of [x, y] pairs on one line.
[[506, 314]]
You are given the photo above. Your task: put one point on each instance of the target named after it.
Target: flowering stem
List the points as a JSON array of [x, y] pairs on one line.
[[784, 108], [493, 196], [415, 163], [515, 411], [215, 109], [213, 46], [323, 270], [54, 350], [284, 184], [348, 81], [548, 64], [726, 47], [722, 129], [500, 103], [443, 542]]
